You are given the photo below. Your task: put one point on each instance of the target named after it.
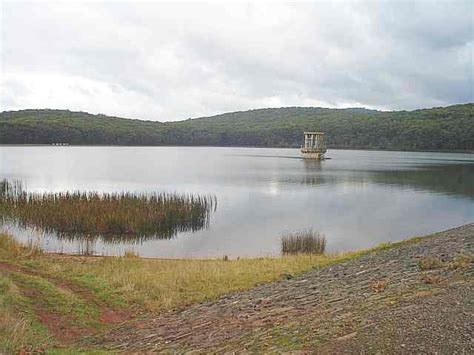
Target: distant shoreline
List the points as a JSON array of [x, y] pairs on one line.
[[228, 146]]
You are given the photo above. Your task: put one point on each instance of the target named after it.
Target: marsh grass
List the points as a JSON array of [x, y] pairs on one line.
[[113, 216], [10, 249], [130, 254], [303, 242]]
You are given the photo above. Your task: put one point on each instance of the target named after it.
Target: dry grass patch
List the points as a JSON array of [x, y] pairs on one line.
[[160, 285], [461, 262], [157, 284], [130, 254], [431, 279], [13, 331], [430, 263], [10, 249], [378, 286]]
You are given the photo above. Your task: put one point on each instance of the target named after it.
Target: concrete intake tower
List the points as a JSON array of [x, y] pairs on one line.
[[314, 146]]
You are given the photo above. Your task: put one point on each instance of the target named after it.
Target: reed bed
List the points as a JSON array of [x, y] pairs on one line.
[[303, 242], [113, 216]]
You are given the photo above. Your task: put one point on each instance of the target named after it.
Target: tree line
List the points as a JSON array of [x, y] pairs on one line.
[[443, 128]]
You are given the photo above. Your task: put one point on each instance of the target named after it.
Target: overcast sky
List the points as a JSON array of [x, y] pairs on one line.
[[170, 61]]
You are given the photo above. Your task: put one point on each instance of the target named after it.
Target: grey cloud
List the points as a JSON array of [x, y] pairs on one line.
[[167, 61]]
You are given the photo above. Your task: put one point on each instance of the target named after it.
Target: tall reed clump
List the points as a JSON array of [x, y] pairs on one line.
[[113, 216], [303, 242]]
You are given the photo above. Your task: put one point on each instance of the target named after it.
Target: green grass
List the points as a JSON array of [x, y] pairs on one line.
[[48, 297], [19, 328]]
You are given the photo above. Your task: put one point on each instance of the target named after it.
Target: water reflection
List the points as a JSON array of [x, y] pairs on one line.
[[112, 217], [452, 179], [316, 173], [357, 198]]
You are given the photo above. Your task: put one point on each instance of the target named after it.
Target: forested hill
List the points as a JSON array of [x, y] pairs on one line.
[[447, 128]]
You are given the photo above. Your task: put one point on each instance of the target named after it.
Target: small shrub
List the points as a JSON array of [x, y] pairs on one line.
[[378, 286], [430, 279], [461, 262], [130, 254], [430, 263], [303, 242]]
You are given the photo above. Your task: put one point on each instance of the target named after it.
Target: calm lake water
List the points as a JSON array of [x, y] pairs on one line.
[[356, 199]]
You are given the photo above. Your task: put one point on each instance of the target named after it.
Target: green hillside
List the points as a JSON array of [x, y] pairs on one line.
[[446, 128]]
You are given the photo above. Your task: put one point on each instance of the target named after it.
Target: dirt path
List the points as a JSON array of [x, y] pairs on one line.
[[413, 298], [59, 324]]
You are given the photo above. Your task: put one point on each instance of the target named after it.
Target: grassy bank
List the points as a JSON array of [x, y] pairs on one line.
[[49, 300]]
